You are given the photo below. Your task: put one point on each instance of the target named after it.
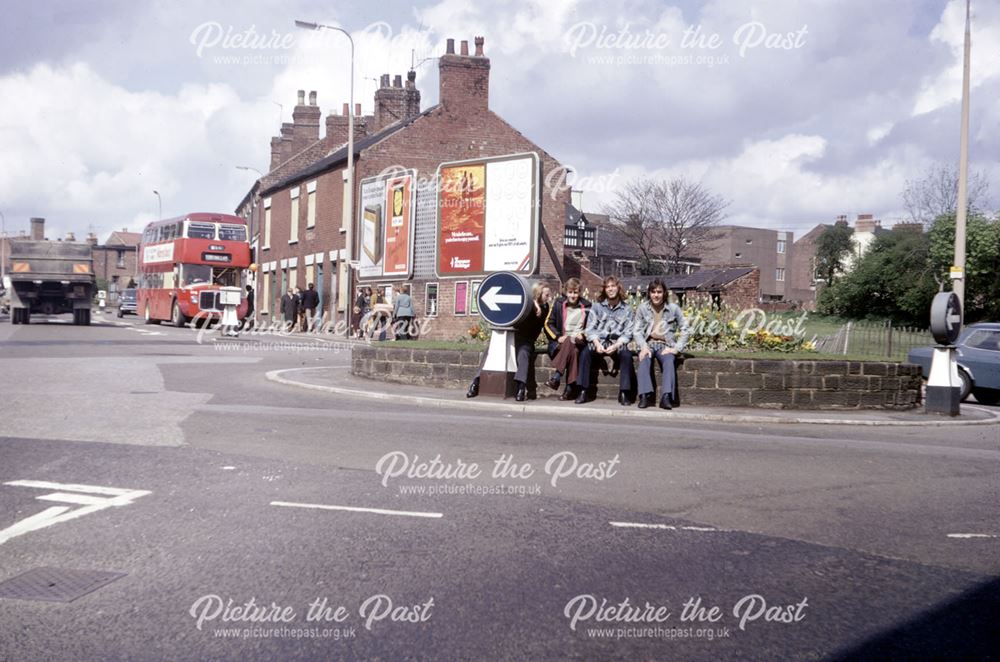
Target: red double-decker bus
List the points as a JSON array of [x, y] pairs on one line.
[[183, 263]]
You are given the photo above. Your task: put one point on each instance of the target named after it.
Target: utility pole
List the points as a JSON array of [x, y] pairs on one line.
[[958, 272]]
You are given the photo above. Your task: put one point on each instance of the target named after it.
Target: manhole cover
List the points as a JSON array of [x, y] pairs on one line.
[[56, 584]]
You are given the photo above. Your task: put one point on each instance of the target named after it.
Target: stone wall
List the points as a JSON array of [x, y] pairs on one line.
[[763, 383]]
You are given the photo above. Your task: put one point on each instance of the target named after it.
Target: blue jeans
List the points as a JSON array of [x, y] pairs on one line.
[[667, 366], [622, 359]]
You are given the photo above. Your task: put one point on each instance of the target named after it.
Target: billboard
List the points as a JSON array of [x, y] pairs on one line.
[[386, 225], [488, 215]]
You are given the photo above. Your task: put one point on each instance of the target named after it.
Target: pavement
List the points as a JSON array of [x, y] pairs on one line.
[[339, 381]]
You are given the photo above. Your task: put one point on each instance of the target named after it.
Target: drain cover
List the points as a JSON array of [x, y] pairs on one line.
[[56, 584]]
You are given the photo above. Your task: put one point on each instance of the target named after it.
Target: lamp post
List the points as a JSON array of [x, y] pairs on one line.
[[958, 275], [3, 248], [349, 196], [159, 203]]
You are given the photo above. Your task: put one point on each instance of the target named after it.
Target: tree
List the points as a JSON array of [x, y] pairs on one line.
[[936, 194], [633, 212], [666, 220], [832, 248], [892, 280], [982, 262]]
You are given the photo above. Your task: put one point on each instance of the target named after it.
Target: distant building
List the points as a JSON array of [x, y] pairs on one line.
[[736, 287], [768, 250], [115, 260]]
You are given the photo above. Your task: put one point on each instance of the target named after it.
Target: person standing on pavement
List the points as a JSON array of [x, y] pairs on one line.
[[248, 321], [310, 301], [661, 332], [525, 334], [402, 313], [289, 310], [609, 329], [300, 322], [564, 327]]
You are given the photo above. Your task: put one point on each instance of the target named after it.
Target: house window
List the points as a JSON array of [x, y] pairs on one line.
[[461, 298], [781, 245], [293, 232], [779, 274], [474, 297], [431, 300], [311, 205], [571, 237], [267, 224], [121, 259]]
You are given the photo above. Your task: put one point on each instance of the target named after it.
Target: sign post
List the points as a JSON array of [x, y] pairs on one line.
[[503, 300], [944, 386]]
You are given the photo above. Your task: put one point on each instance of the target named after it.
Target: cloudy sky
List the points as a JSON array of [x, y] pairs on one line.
[[794, 110]]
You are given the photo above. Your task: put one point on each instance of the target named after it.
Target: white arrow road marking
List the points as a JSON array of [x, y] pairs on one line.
[[377, 511], [668, 527], [492, 297], [952, 320], [114, 496]]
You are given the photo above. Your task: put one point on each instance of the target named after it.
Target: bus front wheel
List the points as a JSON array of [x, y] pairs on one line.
[[148, 317], [176, 316]]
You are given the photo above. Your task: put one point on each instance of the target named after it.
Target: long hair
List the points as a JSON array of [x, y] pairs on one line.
[[604, 288]]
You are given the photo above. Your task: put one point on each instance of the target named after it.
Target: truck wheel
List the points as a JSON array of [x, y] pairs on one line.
[[176, 316], [85, 317], [15, 316], [76, 317]]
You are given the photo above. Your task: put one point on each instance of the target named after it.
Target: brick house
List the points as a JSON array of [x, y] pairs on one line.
[[768, 250], [115, 261], [736, 287], [298, 212]]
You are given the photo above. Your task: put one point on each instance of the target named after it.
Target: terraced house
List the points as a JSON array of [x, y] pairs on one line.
[[299, 215]]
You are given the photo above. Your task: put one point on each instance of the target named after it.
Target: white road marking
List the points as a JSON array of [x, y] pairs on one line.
[[667, 527], [228, 468], [972, 535], [377, 511], [115, 496]]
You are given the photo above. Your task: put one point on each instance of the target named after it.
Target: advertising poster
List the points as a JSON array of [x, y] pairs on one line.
[[487, 216], [509, 205], [399, 206], [385, 226], [462, 198]]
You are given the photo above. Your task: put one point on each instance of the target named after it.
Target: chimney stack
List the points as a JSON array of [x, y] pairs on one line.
[[464, 80], [394, 103], [91, 238], [37, 229], [305, 123]]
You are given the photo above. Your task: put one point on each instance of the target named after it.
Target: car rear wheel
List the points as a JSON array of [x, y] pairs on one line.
[[987, 396]]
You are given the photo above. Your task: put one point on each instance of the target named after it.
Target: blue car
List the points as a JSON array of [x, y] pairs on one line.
[[978, 362], [126, 303]]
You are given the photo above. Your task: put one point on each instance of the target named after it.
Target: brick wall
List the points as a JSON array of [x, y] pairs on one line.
[[759, 383]]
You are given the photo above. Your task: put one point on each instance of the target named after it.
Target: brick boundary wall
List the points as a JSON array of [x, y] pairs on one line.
[[761, 383]]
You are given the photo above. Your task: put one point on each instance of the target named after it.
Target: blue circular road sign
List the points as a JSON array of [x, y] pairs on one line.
[[503, 299]]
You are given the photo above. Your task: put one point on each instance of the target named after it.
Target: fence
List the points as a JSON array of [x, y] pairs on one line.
[[882, 341]]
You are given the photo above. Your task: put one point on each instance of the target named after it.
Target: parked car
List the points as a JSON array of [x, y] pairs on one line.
[[126, 303], [978, 357]]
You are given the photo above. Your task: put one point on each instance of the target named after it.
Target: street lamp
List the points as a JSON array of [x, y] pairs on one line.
[[3, 248], [159, 203], [349, 197]]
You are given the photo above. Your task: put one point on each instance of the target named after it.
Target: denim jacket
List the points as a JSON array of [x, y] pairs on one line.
[[673, 322], [604, 322]]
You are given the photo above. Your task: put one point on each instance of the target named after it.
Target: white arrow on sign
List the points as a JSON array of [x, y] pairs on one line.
[[952, 319], [493, 297]]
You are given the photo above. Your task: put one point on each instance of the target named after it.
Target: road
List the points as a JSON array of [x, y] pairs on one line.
[[810, 541]]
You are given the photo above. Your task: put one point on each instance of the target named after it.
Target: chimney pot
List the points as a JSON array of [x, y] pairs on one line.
[[347, 109], [357, 110], [465, 47], [384, 81], [397, 81], [302, 97], [450, 48], [312, 98], [479, 46], [411, 76]]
